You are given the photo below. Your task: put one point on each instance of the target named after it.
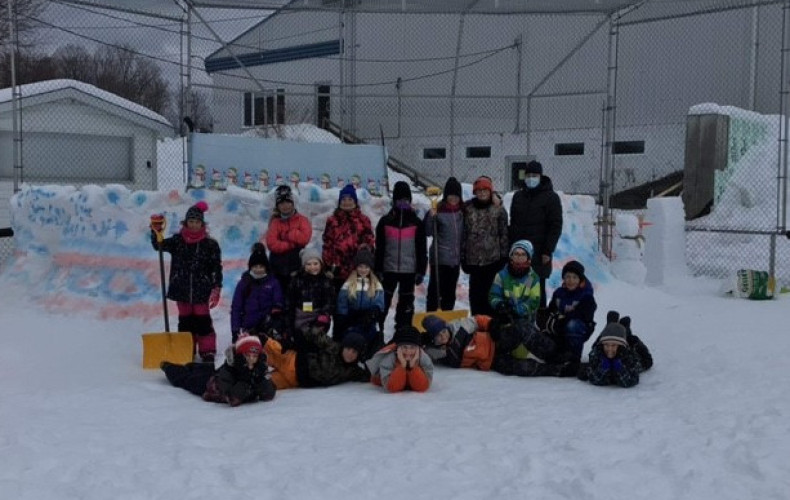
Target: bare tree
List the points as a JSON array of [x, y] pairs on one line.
[[25, 13], [74, 62]]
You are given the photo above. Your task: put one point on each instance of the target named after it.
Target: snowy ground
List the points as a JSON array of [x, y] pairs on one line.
[[80, 419]]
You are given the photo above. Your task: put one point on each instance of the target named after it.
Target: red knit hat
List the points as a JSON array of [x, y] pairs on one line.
[[248, 344], [483, 182]]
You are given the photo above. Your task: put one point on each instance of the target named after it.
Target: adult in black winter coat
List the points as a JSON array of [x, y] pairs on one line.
[[536, 215]]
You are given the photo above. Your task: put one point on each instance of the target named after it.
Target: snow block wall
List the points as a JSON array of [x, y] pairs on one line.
[[89, 250]]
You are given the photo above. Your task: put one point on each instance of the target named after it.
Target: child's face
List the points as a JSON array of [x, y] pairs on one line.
[[347, 203], [363, 270], [571, 281], [442, 337], [350, 355], [285, 207], [194, 224], [251, 358], [519, 256], [313, 266], [453, 199], [610, 349], [258, 270], [408, 351], [483, 194]]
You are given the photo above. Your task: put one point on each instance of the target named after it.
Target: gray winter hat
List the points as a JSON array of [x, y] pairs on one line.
[[614, 332]]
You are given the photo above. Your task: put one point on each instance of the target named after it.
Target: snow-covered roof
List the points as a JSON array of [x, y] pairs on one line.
[[57, 87]]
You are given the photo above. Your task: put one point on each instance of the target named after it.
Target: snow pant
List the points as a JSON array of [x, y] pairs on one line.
[[196, 319], [404, 311], [480, 279], [448, 280], [575, 335], [284, 364], [191, 377]]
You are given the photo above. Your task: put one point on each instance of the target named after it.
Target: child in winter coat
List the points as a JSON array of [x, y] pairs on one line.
[[311, 296], [195, 276], [401, 256], [346, 231], [257, 297], [463, 343], [402, 364], [446, 224], [288, 233], [617, 356], [571, 311], [360, 304], [525, 351], [243, 378], [318, 362], [516, 288], [485, 247]]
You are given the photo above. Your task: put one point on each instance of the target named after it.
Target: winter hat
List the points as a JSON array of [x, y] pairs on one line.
[[483, 182], [364, 256], [433, 325], [248, 344], [355, 341], [452, 186], [534, 167], [283, 194], [522, 244], [308, 254], [401, 191], [348, 190], [196, 211], [614, 332], [258, 256], [574, 267], [407, 335]]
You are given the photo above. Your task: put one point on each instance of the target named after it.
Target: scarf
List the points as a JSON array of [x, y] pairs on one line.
[[192, 237]]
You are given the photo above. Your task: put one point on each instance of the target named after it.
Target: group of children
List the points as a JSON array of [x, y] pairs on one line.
[[304, 318]]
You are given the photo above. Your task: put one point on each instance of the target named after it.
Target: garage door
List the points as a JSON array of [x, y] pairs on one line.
[[69, 157]]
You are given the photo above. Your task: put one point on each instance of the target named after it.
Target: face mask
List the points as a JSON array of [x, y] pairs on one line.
[[257, 276], [532, 182]]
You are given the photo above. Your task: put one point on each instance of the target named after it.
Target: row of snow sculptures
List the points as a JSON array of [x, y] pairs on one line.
[[263, 182], [628, 249]]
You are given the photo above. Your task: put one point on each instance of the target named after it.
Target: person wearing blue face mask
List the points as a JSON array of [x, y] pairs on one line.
[[536, 216]]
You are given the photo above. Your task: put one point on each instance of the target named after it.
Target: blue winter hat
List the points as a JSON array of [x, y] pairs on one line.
[[524, 245], [433, 325], [348, 190]]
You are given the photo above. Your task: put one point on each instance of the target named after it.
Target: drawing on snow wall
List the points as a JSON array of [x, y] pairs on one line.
[[257, 164], [745, 132]]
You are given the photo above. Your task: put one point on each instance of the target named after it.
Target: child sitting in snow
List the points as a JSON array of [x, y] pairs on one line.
[[617, 356], [571, 312], [360, 303], [243, 378], [257, 297], [195, 275], [402, 364], [463, 343], [515, 292]]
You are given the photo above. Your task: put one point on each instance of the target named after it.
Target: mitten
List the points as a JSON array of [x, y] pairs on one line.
[[323, 321], [418, 279], [158, 223], [617, 365], [213, 299], [606, 364]]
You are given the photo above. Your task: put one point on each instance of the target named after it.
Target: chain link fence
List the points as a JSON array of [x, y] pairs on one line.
[[616, 99]]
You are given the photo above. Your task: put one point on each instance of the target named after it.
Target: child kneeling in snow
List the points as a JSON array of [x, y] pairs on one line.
[[243, 378], [402, 364], [617, 356], [463, 343]]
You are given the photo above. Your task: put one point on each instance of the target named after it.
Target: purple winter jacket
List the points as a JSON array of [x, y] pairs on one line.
[[253, 301]]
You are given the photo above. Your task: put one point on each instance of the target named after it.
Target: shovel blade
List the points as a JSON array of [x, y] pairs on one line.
[[175, 347]]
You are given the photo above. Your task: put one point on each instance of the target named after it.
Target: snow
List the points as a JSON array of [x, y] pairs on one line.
[[49, 86], [81, 419]]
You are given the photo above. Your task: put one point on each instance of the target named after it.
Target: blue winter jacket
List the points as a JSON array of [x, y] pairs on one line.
[[253, 301]]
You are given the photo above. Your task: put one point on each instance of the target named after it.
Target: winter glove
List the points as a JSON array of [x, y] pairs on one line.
[[158, 222], [334, 271], [213, 299], [606, 364], [418, 279], [617, 365], [323, 321]]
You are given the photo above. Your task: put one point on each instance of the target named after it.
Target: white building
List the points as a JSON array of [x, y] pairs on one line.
[[75, 133], [523, 85]]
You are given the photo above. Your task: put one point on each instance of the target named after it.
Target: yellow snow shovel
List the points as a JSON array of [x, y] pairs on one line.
[[175, 347]]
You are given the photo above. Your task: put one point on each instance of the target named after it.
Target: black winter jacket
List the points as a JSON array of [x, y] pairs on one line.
[[536, 215], [319, 363], [195, 269], [235, 380]]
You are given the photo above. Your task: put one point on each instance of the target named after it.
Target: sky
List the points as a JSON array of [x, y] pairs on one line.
[[81, 419]]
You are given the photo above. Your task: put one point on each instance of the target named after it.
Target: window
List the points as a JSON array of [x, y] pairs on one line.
[[434, 153], [478, 152], [628, 147], [260, 108], [569, 149]]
